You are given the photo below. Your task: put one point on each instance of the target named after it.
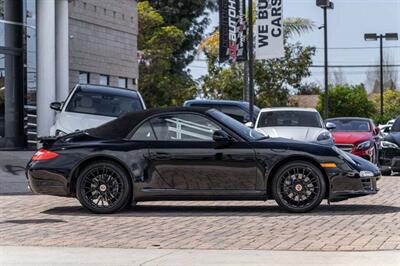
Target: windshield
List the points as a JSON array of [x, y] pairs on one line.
[[350, 125], [104, 102], [290, 119], [396, 126], [242, 130]]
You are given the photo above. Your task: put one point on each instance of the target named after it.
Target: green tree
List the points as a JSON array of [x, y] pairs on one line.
[[273, 78], [276, 77], [391, 106], [192, 18], [224, 83], [348, 101], [309, 88], [159, 83]]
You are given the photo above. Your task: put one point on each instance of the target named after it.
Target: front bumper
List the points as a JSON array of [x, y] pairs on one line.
[[343, 188], [347, 182], [389, 159]]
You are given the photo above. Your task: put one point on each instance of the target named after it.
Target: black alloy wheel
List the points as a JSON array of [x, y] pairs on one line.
[[103, 187], [298, 186]]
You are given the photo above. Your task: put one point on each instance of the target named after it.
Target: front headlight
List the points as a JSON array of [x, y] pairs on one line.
[[366, 174], [324, 136], [388, 145], [344, 155], [364, 145]]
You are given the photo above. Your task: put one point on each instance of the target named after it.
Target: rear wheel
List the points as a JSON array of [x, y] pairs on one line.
[[298, 186], [103, 187]]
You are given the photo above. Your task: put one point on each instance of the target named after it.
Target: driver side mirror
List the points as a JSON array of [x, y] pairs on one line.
[[221, 136], [376, 131], [56, 106], [330, 126]]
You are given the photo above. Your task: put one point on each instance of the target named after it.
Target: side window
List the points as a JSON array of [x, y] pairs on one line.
[[144, 132], [184, 127], [235, 112]]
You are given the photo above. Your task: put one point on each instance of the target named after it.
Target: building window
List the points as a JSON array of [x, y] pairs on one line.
[[104, 80], [134, 81], [123, 82], [84, 78]]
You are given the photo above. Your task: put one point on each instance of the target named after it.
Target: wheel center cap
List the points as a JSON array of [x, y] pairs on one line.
[[103, 188], [298, 187]]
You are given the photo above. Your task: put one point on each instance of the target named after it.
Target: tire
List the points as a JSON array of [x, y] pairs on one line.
[[103, 187], [298, 187]]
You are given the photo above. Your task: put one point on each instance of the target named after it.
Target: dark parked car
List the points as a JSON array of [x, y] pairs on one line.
[[389, 158], [238, 110], [193, 154]]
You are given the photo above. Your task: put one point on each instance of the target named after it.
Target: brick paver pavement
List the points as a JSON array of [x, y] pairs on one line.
[[368, 223]]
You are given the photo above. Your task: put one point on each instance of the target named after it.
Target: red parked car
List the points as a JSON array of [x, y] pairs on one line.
[[359, 136]]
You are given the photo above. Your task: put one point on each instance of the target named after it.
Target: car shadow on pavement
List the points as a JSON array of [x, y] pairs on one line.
[[198, 210], [14, 169], [33, 221]]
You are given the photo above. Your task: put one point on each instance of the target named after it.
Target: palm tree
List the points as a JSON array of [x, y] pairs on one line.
[[297, 26]]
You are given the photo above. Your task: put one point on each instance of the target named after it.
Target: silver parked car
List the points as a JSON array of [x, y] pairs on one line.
[[303, 124]]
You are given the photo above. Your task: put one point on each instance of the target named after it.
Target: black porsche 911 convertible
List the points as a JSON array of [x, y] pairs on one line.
[[193, 154]]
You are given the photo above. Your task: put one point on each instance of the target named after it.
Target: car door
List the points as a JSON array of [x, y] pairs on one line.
[[186, 158]]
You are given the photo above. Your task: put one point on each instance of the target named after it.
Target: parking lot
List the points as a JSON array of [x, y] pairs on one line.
[[368, 223]]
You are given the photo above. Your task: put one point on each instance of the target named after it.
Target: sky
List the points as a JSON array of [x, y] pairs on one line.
[[347, 24]]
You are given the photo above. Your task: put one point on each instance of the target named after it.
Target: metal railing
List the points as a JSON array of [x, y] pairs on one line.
[[30, 125], [190, 129]]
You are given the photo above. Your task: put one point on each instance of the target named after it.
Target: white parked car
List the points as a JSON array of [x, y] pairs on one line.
[[89, 106], [303, 124]]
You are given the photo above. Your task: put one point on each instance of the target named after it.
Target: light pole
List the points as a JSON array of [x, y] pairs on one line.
[[375, 37], [251, 60], [325, 5]]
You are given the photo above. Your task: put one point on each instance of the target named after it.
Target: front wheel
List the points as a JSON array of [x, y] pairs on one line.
[[298, 186], [103, 187]]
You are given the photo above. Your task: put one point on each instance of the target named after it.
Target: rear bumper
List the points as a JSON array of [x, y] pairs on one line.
[[48, 183]]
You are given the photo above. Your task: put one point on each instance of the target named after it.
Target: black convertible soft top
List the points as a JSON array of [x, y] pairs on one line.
[[122, 126]]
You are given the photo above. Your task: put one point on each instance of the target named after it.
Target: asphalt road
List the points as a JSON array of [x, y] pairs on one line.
[[12, 172]]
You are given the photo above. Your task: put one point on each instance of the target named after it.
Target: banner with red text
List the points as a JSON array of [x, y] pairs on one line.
[[232, 30]]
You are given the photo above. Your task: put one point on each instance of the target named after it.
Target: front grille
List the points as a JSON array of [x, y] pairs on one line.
[[345, 147], [368, 184], [390, 153]]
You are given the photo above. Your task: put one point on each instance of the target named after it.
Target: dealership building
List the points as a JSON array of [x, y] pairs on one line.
[[48, 46]]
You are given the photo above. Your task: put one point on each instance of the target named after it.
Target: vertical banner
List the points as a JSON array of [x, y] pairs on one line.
[[269, 29], [232, 30]]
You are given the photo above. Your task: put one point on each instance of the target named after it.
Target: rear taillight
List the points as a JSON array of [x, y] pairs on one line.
[[44, 154]]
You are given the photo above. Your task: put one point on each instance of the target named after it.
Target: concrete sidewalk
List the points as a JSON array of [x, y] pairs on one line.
[[148, 257], [12, 172]]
